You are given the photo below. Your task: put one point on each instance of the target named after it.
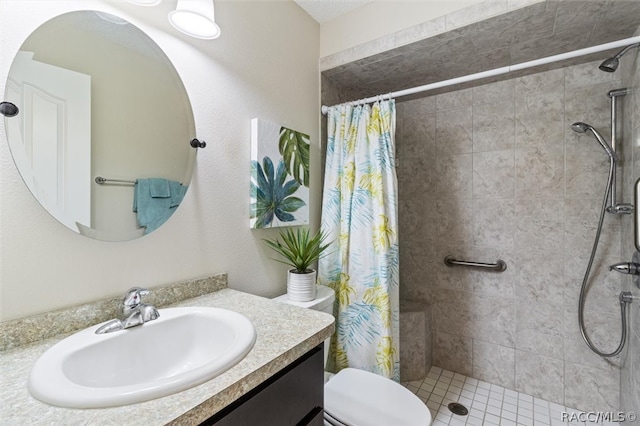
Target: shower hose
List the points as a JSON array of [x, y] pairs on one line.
[[583, 289]]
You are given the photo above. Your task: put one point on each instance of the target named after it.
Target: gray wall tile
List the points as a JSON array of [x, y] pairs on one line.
[[454, 130], [502, 176], [540, 172], [591, 389], [540, 376], [494, 363], [493, 174], [540, 343], [455, 221], [487, 231], [454, 176], [501, 92], [493, 126], [454, 100], [539, 119], [453, 352]]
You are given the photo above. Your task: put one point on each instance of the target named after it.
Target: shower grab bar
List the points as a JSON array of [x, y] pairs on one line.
[[101, 180], [499, 266]]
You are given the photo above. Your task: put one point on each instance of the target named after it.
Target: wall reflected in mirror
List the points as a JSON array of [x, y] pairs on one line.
[[98, 97]]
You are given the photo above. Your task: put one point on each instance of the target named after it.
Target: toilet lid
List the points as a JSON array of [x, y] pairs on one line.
[[357, 397]]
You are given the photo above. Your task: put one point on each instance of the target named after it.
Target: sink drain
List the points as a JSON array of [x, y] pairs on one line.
[[457, 408]]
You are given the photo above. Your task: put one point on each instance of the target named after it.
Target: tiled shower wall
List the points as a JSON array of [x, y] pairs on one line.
[[495, 172], [630, 118]]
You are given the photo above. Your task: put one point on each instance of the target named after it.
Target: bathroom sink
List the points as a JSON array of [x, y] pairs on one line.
[[183, 348]]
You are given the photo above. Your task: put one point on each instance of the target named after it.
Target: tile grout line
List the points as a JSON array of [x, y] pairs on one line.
[[488, 404]]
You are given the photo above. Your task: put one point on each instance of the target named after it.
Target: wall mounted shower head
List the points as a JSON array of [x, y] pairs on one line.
[[580, 127], [611, 64]]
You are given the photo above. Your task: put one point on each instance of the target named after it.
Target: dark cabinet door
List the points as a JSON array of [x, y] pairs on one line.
[[292, 397], [316, 418]]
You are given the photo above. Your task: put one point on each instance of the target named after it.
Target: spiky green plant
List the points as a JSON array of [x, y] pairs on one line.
[[299, 248]]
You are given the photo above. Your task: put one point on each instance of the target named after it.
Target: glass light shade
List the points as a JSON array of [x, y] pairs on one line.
[[195, 18], [145, 2]]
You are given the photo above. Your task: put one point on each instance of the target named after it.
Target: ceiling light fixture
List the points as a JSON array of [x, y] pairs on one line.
[[145, 2], [195, 18]]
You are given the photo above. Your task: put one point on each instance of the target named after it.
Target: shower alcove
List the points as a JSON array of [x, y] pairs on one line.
[[491, 170]]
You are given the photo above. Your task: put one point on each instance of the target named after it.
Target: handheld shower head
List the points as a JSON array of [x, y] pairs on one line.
[[581, 127], [611, 64]]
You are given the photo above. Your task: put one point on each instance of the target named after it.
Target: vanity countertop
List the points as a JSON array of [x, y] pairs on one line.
[[284, 333]]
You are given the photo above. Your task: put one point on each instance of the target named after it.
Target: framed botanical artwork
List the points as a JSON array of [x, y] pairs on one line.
[[279, 176]]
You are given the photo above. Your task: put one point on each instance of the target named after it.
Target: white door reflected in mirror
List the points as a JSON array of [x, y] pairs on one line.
[[55, 125]]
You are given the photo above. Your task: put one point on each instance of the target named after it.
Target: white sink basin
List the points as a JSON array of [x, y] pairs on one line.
[[183, 348]]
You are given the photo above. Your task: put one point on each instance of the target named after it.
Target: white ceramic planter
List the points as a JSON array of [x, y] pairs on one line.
[[301, 287]]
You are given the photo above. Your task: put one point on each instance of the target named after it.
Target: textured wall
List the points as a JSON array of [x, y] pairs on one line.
[[495, 172], [630, 120], [355, 28]]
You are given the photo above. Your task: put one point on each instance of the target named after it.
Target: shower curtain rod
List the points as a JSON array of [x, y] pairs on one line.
[[494, 72]]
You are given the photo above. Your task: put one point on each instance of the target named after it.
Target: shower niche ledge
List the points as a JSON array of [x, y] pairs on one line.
[[415, 340]]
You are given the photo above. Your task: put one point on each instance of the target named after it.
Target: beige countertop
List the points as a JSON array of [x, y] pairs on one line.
[[284, 333]]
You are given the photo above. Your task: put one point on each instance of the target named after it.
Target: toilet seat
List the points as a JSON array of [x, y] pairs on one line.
[[360, 398]]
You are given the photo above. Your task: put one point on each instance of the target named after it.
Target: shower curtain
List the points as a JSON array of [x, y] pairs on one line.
[[360, 217]]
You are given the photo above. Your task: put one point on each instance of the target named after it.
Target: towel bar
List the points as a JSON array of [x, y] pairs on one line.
[[101, 180], [499, 266]]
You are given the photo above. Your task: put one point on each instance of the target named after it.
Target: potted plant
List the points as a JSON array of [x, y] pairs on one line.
[[300, 250]]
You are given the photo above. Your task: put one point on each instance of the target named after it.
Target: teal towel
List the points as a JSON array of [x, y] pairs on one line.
[[152, 211], [177, 193], [159, 188]]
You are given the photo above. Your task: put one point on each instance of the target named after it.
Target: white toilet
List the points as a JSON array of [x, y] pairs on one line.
[[359, 398]]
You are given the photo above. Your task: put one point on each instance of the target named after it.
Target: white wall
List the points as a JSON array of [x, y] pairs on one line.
[[265, 64], [381, 18]]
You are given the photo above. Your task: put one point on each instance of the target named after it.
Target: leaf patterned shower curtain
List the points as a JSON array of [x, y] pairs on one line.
[[360, 216]]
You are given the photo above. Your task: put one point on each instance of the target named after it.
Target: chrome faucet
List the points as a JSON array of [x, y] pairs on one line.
[[132, 305], [134, 312]]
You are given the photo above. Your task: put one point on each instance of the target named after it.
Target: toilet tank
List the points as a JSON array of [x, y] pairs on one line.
[[323, 302]]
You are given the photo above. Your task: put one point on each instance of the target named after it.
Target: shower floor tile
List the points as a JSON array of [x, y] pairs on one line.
[[487, 404]]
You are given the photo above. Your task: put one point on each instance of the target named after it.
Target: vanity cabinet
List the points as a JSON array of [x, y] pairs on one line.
[[293, 396]]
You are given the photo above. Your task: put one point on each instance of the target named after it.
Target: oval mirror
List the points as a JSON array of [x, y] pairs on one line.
[[102, 135]]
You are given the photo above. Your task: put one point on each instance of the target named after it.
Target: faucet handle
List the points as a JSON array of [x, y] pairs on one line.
[[149, 312], [628, 268], [134, 297]]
